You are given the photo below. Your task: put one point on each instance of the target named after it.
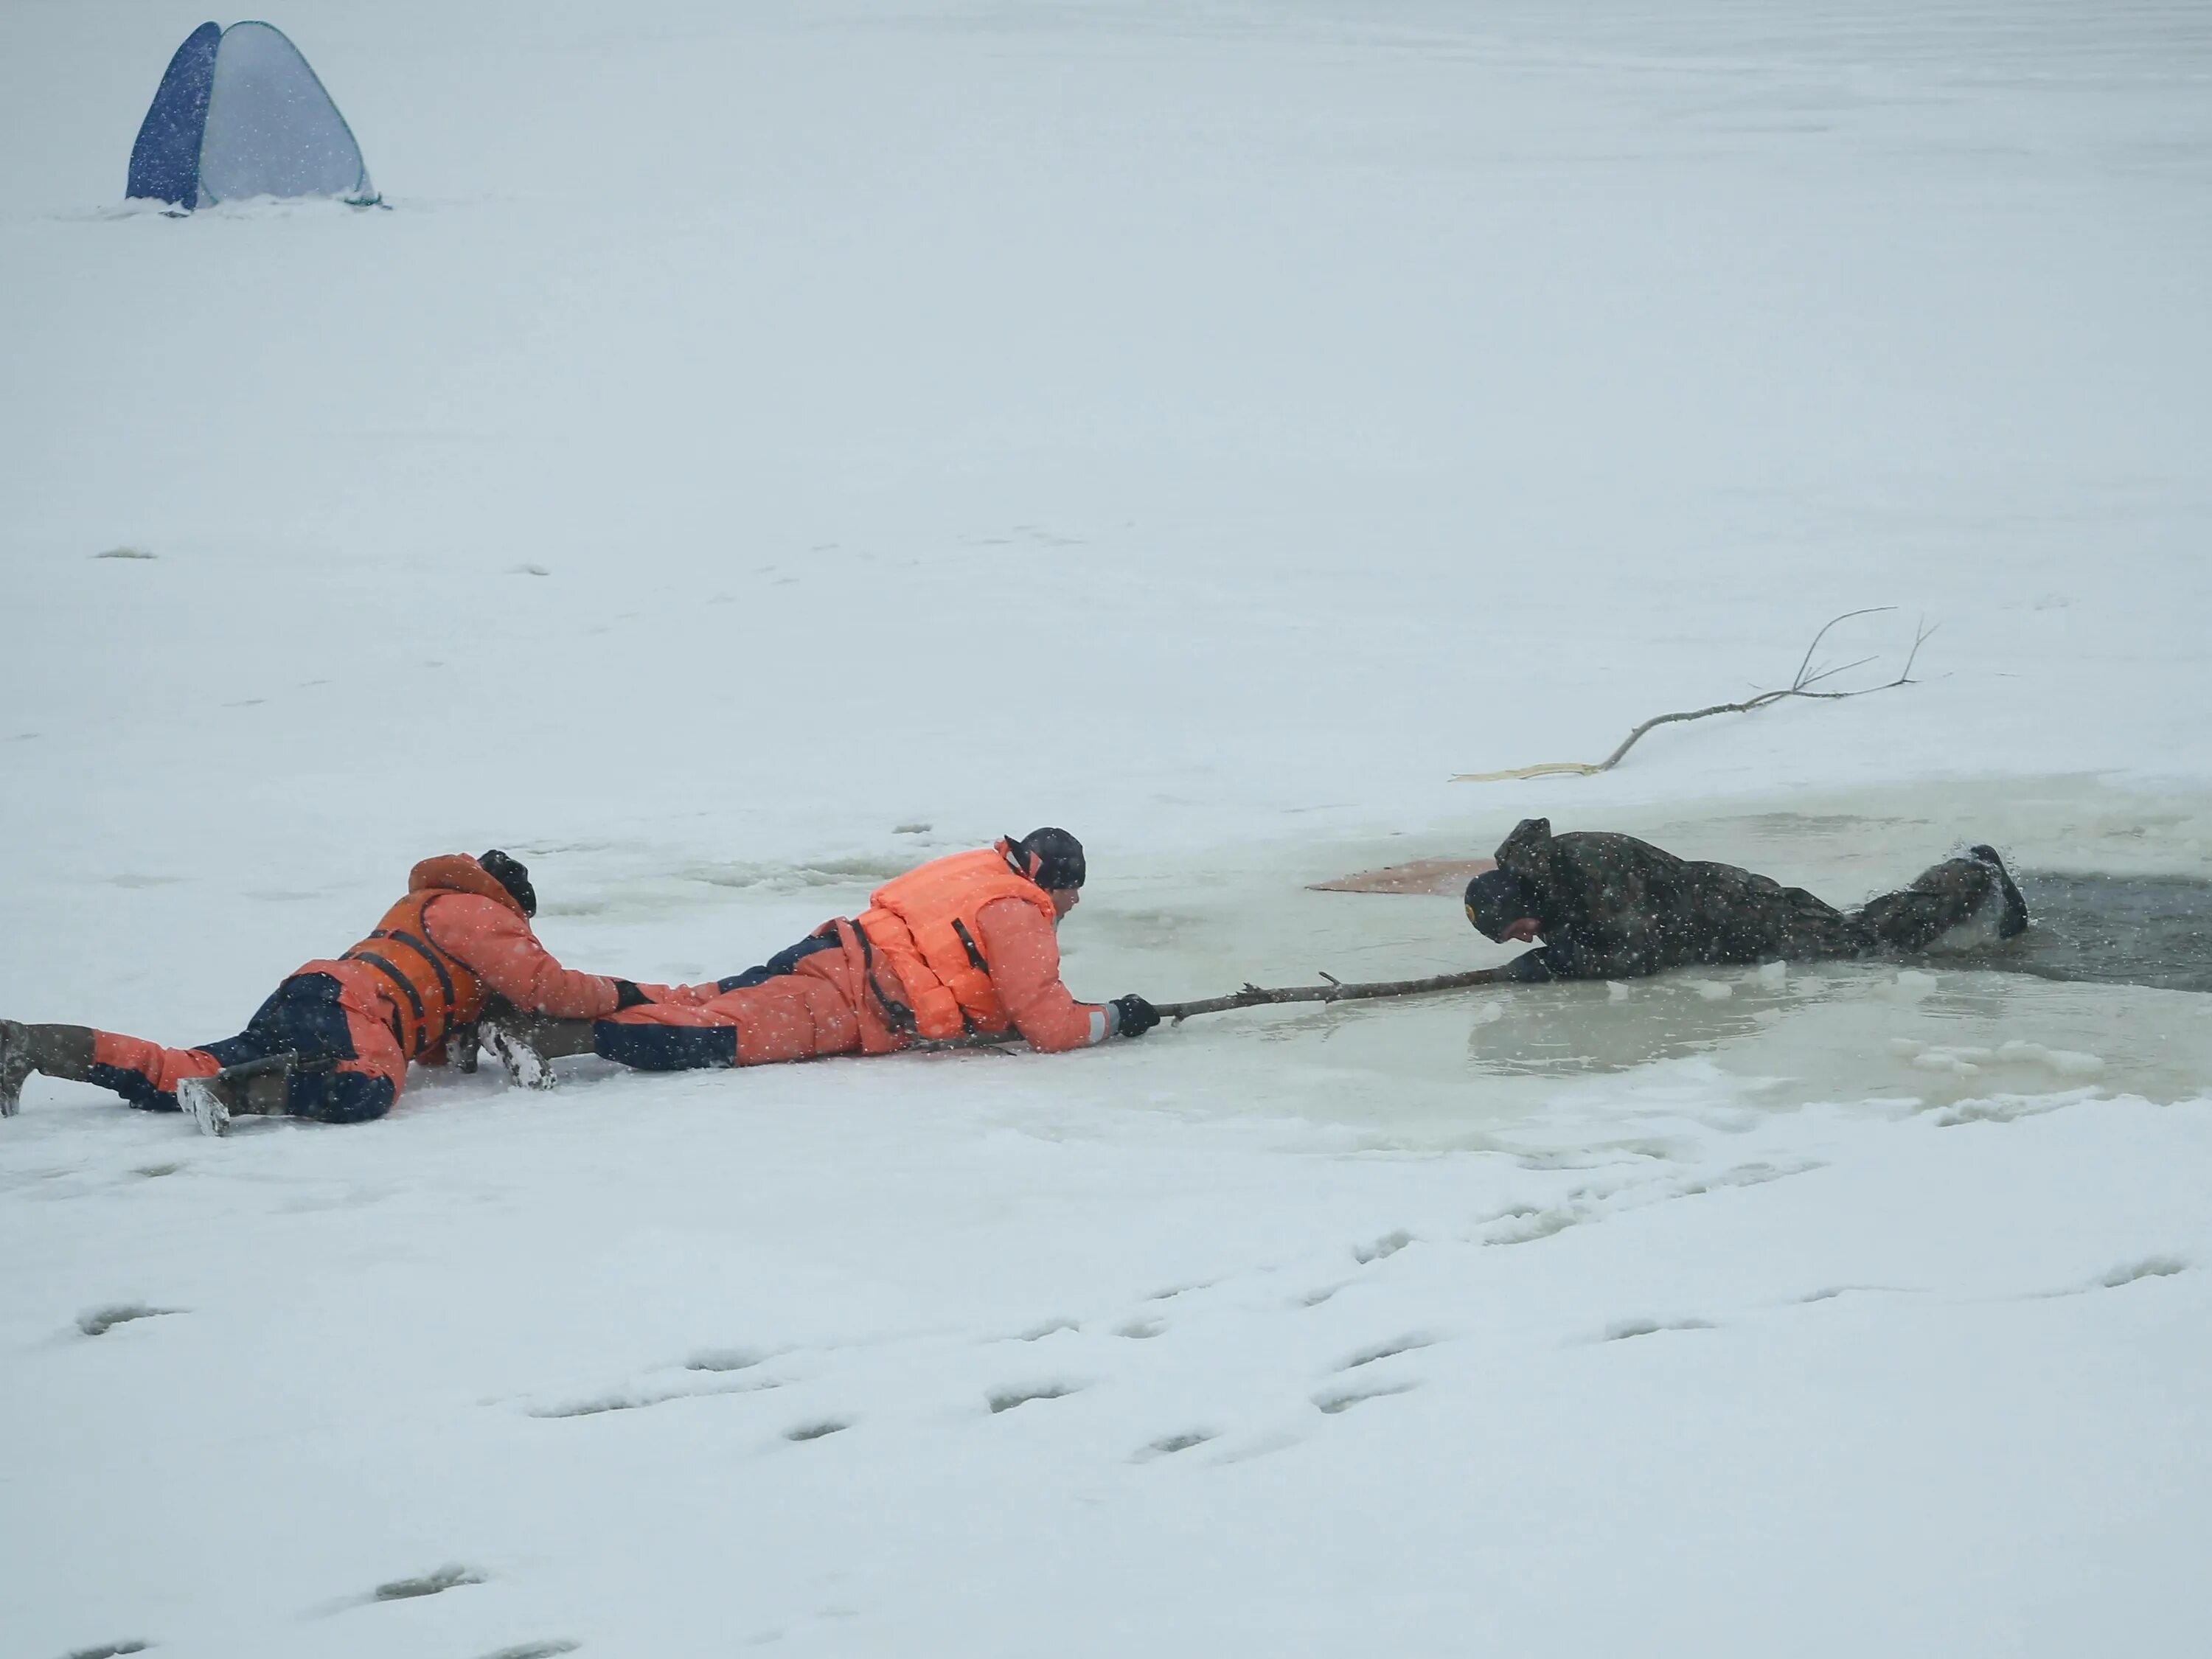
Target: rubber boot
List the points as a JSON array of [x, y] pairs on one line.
[[527, 1044], [62, 1051], [2014, 921]]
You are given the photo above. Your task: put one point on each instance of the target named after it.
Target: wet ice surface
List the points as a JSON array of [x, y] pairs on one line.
[[1556, 1277]]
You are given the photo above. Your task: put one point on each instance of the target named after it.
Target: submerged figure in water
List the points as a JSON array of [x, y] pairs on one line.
[[1609, 906]]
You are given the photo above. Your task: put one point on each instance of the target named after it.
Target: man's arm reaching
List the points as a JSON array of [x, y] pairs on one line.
[[1025, 957], [497, 945]]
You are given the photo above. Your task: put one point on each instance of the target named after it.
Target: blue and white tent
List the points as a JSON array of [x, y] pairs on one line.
[[237, 114]]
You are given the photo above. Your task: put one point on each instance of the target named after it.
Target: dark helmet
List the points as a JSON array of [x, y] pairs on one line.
[[514, 875], [1496, 899], [1051, 859]]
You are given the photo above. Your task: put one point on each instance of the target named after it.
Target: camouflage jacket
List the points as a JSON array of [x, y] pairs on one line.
[[1612, 907]]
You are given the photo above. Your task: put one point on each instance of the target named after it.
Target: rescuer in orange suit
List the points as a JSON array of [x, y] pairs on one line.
[[334, 1040], [962, 947]]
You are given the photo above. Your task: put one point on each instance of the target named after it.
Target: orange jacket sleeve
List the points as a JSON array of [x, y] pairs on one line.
[[497, 945], [1025, 957]]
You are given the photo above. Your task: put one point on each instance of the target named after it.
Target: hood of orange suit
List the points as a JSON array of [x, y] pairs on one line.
[[457, 872]]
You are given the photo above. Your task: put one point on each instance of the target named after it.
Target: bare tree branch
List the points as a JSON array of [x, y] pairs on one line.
[[1803, 685], [1252, 996]]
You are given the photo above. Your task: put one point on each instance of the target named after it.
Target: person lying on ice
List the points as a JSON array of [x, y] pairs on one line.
[[333, 1041], [962, 947], [1611, 907]]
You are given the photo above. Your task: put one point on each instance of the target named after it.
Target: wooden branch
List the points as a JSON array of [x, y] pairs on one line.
[[1253, 996], [1802, 685]]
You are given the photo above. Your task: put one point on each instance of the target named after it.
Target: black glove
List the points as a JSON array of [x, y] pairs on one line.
[[1134, 1016], [1529, 968], [627, 995]]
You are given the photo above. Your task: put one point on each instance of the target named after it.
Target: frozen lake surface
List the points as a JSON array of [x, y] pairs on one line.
[[762, 448]]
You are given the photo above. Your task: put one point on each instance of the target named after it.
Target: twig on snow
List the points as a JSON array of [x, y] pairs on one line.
[[1804, 684]]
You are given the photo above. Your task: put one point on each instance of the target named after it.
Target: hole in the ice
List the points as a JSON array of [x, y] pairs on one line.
[[1621, 1330], [1169, 1445], [2156, 1267], [1004, 1400], [449, 1577], [98, 1322], [535, 1650], [2111, 930], [109, 1649], [828, 1425], [1389, 1245], [1343, 1400], [724, 1359], [1387, 1351], [1140, 1329]]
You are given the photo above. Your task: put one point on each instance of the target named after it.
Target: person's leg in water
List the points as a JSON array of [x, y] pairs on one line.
[[1959, 904], [784, 1010]]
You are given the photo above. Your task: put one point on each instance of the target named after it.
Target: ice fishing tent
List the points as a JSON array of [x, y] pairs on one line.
[[239, 113]]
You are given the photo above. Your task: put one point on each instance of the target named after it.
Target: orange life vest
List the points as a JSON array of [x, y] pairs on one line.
[[924, 927], [432, 991]]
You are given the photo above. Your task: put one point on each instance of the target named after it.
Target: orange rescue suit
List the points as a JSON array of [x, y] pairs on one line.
[[434, 986], [924, 929]]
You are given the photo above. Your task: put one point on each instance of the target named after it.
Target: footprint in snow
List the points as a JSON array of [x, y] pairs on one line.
[[724, 1359], [1387, 1351], [108, 1649], [2156, 1267], [1343, 1400], [1389, 1245], [1526, 1227], [1140, 1329], [631, 1400], [1830, 1293], [535, 1649], [451, 1577], [1004, 1400], [1169, 1445], [827, 1426], [1621, 1330], [98, 1322]]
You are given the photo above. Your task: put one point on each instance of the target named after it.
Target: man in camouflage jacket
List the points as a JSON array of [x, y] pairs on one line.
[[1609, 906]]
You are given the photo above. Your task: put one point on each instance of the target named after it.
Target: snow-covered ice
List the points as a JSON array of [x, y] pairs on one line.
[[763, 447]]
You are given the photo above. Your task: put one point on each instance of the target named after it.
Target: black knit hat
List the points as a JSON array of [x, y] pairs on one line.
[[1051, 859], [1496, 899], [514, 875]]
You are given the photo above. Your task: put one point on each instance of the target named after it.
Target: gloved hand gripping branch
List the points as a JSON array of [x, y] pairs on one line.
[[1133, 1016]]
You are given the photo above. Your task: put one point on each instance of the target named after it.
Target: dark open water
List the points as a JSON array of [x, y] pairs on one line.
[[2112, 930]]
